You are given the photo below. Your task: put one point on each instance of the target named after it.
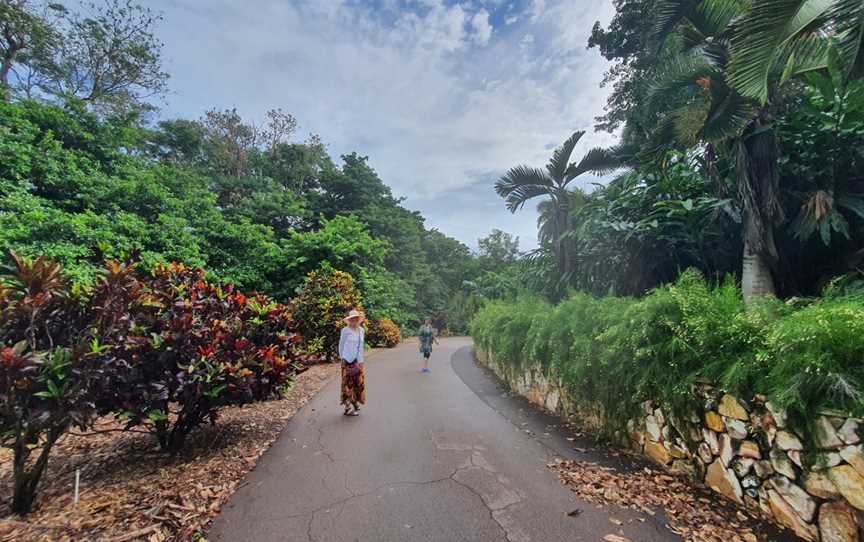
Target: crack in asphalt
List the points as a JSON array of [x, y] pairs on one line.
[[450, 478], [321, 448], [493, 511]]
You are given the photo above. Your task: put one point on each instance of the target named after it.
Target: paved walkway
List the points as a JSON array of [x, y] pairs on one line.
[[428, 459]]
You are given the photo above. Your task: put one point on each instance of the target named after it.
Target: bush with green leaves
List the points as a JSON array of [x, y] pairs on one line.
[[326, 298], [618, 352]]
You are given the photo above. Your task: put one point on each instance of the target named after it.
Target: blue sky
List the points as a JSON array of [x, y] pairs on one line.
[[442, 95]]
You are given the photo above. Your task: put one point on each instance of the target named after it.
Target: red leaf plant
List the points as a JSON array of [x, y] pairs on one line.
[[163, 351], [207, 346], [55, 342]]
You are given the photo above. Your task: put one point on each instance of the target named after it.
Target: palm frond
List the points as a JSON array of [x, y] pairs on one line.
[[716, 52], [690, 35], [808, 53], [597, 160], [686, 70], [849, 18], [522, 183], [664, 136], [712, 17], [560, 160], [546, 221], [766, 35], [728, 116], [668, 14], [689, 122]]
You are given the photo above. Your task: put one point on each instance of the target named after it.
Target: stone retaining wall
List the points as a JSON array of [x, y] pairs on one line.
[[745, 450]]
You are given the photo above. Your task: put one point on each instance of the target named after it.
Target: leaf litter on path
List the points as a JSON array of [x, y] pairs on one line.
[[132, 492], [694, 513]]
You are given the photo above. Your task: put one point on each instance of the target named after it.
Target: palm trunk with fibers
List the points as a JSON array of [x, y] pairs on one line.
[[561, 242], [758, 186], [756, 280]]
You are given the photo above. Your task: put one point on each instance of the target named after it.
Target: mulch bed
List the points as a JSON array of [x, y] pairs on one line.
[[130, 491], [695, 513]]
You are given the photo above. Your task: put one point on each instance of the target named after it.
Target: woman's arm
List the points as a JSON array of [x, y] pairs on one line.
[[343, 336]]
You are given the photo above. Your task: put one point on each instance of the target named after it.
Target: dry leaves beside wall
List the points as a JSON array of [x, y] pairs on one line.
[[130, 491], [695, 514]]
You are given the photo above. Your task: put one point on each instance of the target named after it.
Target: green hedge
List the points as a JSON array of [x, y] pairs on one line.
[[802, 354]]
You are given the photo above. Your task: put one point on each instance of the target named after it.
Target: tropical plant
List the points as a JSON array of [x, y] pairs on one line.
[[325, 299], [206, 346], [383, 332], [709, 111], [790, 37], [523, 183], [56, 346], [822, 159], [643, 228]]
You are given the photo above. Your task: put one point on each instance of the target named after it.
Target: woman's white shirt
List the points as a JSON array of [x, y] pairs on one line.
[[351, 344]]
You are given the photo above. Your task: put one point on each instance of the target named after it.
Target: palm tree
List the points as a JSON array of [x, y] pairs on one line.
[[548, 228], [790, 36], [523, 183], [714, 114]]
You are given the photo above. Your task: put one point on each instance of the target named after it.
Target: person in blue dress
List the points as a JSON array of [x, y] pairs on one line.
[[427, 337]]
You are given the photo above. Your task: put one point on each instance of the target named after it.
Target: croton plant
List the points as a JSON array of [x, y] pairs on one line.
[[163, 350], [201, 346]]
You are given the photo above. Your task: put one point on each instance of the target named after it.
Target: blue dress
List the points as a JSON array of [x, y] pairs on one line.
[[426, 338]]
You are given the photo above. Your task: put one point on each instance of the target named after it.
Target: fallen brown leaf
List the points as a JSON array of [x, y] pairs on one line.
[[130, 491], [695, 513]]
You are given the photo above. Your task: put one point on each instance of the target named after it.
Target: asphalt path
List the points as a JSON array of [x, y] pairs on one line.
[[445, 456]]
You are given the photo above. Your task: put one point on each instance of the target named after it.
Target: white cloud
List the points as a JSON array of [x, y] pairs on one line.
[[482, 27], [440, 101], [538, 8]]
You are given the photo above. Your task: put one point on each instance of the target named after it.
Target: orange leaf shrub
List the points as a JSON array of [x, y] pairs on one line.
[[383, 332]]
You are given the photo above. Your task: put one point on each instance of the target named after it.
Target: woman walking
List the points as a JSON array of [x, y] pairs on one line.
[[427, 337], [351, 344]]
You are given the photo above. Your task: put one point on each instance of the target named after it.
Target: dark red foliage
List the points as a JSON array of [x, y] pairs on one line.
[[206, 346], [53, 345], [164, 351]]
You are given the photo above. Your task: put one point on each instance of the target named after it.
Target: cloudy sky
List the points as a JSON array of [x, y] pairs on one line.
[[442, 95]]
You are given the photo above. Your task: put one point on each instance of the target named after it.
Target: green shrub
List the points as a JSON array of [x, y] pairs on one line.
[[804, 355], [814, 358], [320, 307], [383, 332]]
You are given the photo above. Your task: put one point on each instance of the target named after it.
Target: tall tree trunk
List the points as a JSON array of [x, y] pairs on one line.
[[562, 216], [756, 166], [5, 90], [756, 280]]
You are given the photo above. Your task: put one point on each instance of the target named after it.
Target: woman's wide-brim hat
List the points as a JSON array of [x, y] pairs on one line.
[[354, 314]]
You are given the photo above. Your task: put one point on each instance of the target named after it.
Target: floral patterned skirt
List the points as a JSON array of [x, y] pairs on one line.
[[353, 386]]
